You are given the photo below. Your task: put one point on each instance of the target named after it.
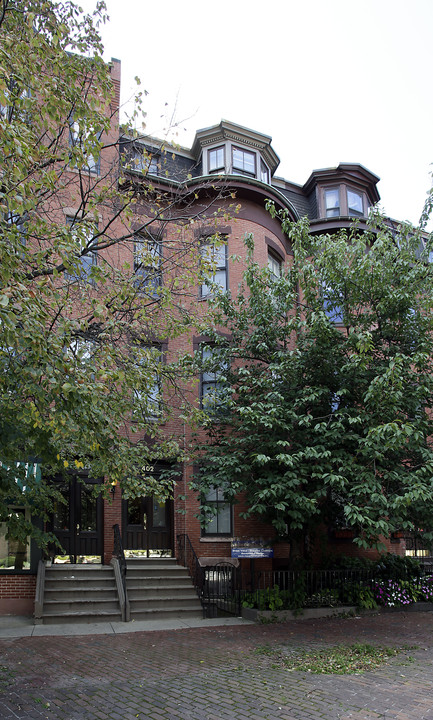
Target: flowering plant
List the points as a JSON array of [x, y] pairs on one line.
[[425, 590], [391, 593]]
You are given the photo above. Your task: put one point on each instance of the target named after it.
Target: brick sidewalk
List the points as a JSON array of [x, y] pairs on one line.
[[215, 674]]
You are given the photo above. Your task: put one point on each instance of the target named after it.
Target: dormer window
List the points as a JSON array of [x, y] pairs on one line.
[[332, 202], [248, 163], [342, 201], [243, 162], [264, 172], [216, 160], [142, 160], [355, 204], [230, 149]]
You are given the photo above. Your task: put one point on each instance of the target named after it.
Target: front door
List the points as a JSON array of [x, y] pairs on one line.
[[147, 526], [77, 523]]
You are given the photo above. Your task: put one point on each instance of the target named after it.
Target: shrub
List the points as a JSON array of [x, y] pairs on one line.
[[391, 593], [425, 590]]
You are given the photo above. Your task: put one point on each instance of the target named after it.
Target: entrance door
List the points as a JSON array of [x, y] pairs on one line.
[[147, 526], [77, 524]]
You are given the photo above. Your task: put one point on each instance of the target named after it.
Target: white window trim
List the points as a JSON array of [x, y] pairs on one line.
[[228, 147]]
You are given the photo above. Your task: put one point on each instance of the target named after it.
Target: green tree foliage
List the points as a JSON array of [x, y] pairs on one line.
[[74, 366], [324, 421]]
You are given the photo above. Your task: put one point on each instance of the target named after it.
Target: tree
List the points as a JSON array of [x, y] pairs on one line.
[[324, 409], [82, 308]]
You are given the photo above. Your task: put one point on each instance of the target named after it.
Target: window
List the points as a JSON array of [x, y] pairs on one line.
[[16, 98], [216, 162], [147, 393], [220, 523], [212, 390], [333, 304], [17, 229], [81, 354], [14, 554], [87, 140], [427, 248], [343, 200], [332, 202], [153, 165], [214, 265], [275, 265], [147, 265], [85, 257], [81, 349], [243, 162], [355, 206], [139, 159], [264, 172], [335, 402]]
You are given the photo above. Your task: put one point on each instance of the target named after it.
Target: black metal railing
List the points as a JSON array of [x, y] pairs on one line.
[[224, 588], [221, 591], [120, 555], [418, 548], [187, 557], [317, 588]]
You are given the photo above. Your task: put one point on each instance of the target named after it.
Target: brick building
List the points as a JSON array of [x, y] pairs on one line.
[[227, 165]]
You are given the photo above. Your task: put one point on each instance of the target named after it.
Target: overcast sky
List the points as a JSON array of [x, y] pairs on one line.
[[335, 81]]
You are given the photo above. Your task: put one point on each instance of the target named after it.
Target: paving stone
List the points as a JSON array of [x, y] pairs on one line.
[[215, 674]]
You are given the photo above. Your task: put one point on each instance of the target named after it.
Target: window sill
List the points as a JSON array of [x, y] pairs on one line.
[[216, 538], [94, 174]]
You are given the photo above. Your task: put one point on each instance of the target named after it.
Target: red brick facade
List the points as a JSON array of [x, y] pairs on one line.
[[249, 217], [17, 594]]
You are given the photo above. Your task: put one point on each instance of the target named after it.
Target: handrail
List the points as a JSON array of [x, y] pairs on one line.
[[40, 590], [216, 585], [188, 558], [120, 572]]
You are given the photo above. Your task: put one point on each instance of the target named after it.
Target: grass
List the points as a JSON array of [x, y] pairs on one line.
[[6, 677], [337, 660]]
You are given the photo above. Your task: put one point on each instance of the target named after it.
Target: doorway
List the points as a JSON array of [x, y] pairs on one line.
[[78, 522], [147, 527]]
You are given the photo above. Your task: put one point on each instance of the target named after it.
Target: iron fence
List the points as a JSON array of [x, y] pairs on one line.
[[225, 589]]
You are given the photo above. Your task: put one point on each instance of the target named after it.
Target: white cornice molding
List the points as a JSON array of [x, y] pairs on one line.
[[227, 131]]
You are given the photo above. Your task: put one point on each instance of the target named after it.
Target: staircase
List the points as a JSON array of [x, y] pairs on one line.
[[158, 588], [80, 593]]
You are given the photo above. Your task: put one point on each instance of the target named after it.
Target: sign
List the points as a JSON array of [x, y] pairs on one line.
[[251, 548]]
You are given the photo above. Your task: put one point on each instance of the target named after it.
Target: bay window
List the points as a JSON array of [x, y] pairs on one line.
[[216, 162], [243, 162], [332, 202], [213, 265], [355, 206]]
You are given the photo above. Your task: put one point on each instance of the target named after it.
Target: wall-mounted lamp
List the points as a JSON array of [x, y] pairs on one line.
[[113, 487]]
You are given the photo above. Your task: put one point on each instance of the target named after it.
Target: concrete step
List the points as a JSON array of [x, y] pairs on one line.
[[144, 581], [157, 603], [160, 588], [154, 559], [162, 614], [77, 587], [72, 593], [80, 593], [157, 575], [69, 568], [170, 589], [68, 618], [93, 606], [151, 565], [78, 572]]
